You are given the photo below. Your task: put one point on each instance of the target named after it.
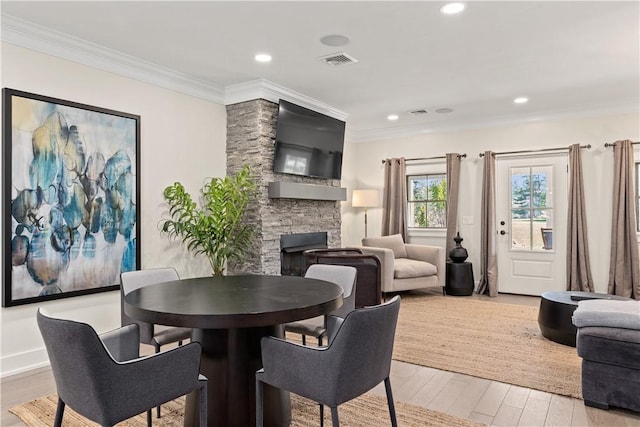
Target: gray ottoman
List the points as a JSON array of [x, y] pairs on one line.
[[608, 341]]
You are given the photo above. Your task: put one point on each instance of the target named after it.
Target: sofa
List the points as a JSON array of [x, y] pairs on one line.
[[608, 340], [406, 266]]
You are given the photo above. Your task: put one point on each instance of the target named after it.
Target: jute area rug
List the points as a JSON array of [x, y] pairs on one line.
[[491, 340], [367, 410]]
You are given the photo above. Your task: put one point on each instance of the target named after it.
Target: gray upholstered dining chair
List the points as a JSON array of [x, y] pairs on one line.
[[151, 334], [103, 379], [357, 359], [343, 276]]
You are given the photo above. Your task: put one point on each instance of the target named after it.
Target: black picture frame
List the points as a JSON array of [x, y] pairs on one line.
[[71, 197]]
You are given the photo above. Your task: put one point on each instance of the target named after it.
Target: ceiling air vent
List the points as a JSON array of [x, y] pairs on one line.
[[419, 112], [336, 59]]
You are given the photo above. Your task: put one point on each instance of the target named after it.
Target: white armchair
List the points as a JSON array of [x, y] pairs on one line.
[[406, 266]]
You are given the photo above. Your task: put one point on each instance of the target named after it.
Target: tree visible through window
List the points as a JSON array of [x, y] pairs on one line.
[[427, 205], [531, 208]]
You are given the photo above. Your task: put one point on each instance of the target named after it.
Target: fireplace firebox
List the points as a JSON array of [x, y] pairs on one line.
[[292, 246]]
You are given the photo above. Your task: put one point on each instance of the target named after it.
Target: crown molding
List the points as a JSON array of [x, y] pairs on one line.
[[41, 39], [264, 89], [370, 135], [38, 38], [32, 36]]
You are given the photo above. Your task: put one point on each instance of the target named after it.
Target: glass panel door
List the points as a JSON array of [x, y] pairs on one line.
[[531, 203]]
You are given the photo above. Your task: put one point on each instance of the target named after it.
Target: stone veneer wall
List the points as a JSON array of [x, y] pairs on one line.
[[251, 131]]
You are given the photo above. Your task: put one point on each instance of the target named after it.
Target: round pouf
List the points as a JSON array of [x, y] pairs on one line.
[[556, 310]]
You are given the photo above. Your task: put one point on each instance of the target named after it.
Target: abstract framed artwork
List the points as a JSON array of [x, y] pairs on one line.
[[71, 199]]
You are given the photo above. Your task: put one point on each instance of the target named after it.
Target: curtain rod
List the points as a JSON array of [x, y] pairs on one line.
[[613, 143], [429, 158], [542, 150]]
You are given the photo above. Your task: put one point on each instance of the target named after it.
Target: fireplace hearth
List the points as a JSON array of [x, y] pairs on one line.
[[292, 246]]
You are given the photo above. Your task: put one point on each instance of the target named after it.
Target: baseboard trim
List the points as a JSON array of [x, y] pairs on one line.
[[19, 363]]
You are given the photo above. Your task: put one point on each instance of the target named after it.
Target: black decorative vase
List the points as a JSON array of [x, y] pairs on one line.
[[458, 253]]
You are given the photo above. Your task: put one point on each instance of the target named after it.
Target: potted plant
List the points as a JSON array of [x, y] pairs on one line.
[[215, 230]]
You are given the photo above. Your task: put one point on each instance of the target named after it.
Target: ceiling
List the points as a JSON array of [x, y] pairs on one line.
[[573, 58]]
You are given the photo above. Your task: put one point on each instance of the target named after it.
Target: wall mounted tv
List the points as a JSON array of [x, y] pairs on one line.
[[308, 143]]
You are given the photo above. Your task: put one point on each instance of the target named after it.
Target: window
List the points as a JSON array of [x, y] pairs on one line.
[[531, 207], [427, 204]]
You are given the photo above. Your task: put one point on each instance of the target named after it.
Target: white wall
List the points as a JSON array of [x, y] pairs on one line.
[[363, 169], [182, 139]]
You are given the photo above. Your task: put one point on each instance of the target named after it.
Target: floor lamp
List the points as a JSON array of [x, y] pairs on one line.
[[365, 199]]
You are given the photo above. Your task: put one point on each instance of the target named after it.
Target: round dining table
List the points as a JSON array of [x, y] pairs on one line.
[[229, 316]]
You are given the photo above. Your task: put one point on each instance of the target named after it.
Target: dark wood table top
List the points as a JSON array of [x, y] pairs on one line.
[[221, 302]]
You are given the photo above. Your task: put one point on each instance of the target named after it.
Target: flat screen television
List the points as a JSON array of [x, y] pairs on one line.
[[308, 143]]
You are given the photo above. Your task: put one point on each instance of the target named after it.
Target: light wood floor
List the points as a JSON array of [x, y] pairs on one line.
[[486, 401]]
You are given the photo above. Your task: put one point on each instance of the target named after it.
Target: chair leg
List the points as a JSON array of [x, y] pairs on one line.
[[157, 347], [392, 407], [321, 415], [335, 422], [203, 403], [59, 413], [320, 341], [149, 417], [259, 399]]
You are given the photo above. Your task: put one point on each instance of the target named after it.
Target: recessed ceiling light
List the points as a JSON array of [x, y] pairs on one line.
[[335, 40], [452, 8], [393, 117], [521, 100], [263, 57], [444, 110]]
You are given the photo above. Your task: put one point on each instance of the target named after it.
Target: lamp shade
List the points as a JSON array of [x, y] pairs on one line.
[[365, 199]]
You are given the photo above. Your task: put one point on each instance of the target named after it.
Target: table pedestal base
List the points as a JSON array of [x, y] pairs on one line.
[[230, 359]]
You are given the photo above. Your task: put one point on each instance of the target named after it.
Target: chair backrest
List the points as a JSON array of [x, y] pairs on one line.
[[132, 280], [79, 361], [90, 379], [341, 275], [394, 242], [362, 349]]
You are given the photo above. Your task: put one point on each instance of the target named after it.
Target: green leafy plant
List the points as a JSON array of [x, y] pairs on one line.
[[217, 229]]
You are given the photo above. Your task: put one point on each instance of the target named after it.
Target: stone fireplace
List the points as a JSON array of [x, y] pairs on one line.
[[251, 128]]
